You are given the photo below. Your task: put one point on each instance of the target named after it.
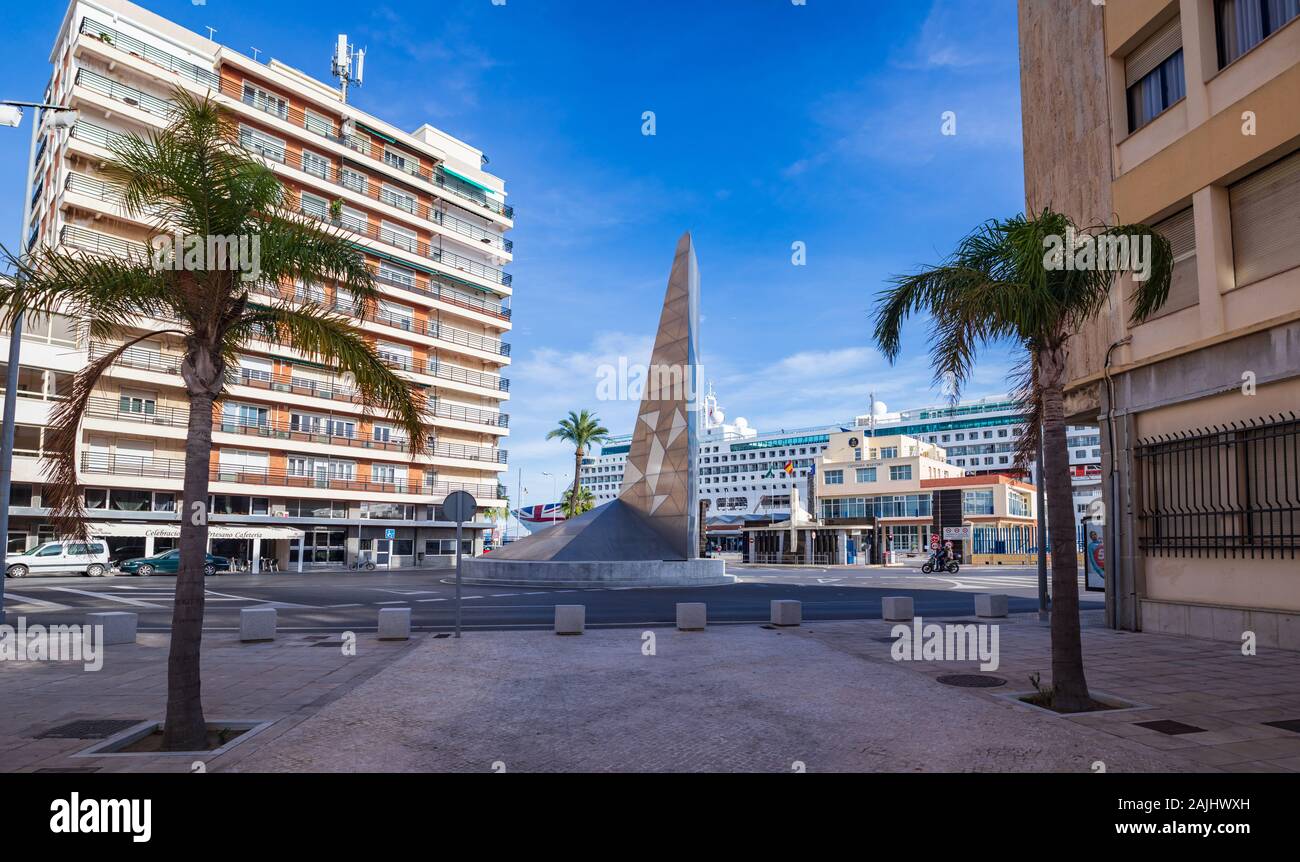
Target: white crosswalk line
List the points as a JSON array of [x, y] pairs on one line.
[[121, 599], [13, 600]]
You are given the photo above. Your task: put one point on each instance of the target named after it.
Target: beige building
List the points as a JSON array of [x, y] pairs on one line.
[[892, 494], [1185, 114], [295, 455]]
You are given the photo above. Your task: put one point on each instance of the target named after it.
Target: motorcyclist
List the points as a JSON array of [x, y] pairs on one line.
[[943, 555]]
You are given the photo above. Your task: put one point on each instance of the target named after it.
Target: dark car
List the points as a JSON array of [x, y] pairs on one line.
[[168, 562], [129, 552]]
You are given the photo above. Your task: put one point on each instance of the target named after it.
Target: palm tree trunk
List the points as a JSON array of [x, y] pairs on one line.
[[185, 728], [577, 471], [1069, 685]]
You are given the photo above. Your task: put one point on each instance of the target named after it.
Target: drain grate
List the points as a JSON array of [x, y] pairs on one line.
[[1170, 728], [1291, 724], [443, 635], [971, 680], [98, 728]]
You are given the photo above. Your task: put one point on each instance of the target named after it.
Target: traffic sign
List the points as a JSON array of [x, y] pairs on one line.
[[459, 506]]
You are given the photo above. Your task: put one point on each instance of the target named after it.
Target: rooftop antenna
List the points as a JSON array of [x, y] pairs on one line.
[[255, 51], [212, 31], [348, 64]]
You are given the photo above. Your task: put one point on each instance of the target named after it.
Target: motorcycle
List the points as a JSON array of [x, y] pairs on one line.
[[952, 567]]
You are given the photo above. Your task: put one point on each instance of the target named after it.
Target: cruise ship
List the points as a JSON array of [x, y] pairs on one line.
[[745, 472]]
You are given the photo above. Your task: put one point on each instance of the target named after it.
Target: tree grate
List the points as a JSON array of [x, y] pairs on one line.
[[98, 728], [971, 680], [1170, 728]]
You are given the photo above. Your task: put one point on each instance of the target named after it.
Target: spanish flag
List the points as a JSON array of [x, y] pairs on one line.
[[789, 468]]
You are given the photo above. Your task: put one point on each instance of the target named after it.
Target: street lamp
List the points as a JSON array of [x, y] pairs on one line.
[[11, 114]]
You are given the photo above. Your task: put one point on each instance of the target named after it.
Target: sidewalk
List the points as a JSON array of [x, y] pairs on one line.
[[738, 697]]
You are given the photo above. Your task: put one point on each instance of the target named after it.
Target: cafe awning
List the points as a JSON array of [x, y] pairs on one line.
[[106, 529]]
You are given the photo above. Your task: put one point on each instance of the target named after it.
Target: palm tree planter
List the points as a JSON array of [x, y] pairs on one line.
[[582, 430], [1003, 283], [192, 177]]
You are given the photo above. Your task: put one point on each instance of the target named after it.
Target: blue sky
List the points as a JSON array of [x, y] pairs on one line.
[[775, 123]]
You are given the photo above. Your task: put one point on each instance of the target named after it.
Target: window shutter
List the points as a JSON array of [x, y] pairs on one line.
[[1154, 51], [1266, 221]]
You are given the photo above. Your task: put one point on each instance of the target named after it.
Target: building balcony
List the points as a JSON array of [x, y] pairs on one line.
[[437, 176], [149, 467], [178, 417], [121, 41], [188, 71], [415, 245]]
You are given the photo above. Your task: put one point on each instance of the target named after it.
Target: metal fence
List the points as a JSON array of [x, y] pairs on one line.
[[1223, 491]]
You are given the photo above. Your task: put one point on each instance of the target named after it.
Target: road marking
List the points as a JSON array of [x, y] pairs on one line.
[[393, 602], [352, 605], [39, 604], [431, 600], [122, 599], [502, 595]]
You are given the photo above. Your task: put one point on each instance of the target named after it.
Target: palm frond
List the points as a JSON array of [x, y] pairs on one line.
[[101, 294], [330, 338], [62, 494]]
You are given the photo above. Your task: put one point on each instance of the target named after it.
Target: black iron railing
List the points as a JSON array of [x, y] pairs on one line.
[[1224, 491]]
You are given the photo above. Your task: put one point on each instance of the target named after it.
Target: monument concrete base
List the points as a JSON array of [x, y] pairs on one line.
[[613, 573]]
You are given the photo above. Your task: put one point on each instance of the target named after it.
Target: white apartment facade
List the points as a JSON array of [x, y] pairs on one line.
[[294, 452], [742, 471]]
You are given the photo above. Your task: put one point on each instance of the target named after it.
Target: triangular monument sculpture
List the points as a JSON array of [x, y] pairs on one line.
[[659, 478], [650, 534]]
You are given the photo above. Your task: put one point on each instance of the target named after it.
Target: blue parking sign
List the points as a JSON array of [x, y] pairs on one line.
[[390, 533]]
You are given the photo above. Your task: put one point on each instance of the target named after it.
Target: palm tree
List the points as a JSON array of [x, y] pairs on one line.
[[191, 177], [1001, 285], [582, 429], [586, 502]]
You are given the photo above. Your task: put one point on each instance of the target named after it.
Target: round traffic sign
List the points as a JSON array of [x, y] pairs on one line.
[[459, 506]]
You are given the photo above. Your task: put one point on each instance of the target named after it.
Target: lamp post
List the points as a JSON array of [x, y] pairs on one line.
[[11, 115]]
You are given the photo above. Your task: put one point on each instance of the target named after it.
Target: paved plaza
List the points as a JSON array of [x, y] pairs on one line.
[[823, 697]]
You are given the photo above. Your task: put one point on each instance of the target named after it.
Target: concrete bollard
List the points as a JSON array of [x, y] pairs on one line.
[[118, 626], [786, 612], [256, 624], [692, 616], [990, 605], [394, 624], [570, 619], [897, 608]]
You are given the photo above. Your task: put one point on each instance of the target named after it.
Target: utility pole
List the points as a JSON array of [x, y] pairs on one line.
[[64, 118]]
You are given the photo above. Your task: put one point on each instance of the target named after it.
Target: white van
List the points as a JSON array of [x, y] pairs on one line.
[[58, 558]]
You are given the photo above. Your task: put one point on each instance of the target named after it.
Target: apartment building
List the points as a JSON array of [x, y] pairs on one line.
[[300, 473], [1183, 114]]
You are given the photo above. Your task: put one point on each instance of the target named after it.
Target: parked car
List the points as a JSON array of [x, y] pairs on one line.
[[60, 558], [168, 562], [129, 552]]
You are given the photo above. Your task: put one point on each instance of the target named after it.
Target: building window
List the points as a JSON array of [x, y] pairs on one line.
[[1018, 504], [977, 502], [900, 472], [315, 164], [1153, 75], [1243, 24], [318, 123], [889, 452], [264, 101], [866, 474], [355, 180], [834, 477], [1265, 207], [262, 144]]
